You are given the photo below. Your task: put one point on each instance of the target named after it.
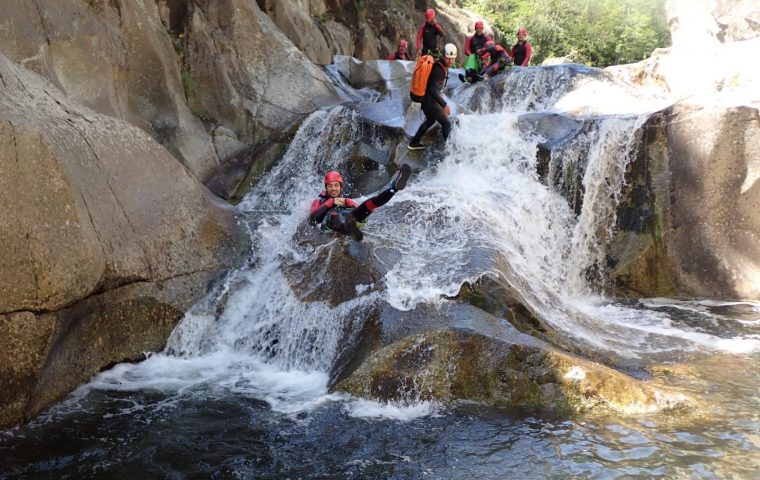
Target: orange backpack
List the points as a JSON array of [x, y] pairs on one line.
[[420, 77]]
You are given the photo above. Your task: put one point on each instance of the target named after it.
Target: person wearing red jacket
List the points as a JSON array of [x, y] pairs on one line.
[[427, 35], [401, 53], [521, 51], [477, 41], [499, 58], [332, 211]]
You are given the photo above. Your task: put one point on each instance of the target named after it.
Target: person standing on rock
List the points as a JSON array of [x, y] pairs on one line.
[[333, 212], [427, 35], [401, 53], [433, 105], [521, 50], [477, 41]]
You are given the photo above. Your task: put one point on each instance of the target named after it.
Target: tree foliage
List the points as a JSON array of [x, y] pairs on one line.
[[594, 32]]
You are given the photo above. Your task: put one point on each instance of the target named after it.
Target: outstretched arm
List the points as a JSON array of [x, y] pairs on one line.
[[419, 39]]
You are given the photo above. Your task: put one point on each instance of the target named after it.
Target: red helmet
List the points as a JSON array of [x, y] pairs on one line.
[[478, 24], [490, 43], [333, 176], [429, 14], [403, 43], [522, 31]]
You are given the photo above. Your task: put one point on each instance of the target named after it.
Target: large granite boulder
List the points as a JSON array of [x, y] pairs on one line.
[[93, 209], [455, 365], [114, 58], [178, 70], [689, 219], [297, 24]]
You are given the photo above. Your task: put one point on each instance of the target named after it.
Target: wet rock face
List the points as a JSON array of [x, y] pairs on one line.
[[689, 218], [454, 365], [338, 270], [92, 204]]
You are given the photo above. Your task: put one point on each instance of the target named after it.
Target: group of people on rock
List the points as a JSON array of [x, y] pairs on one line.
[[484, 58], [489, 57], [331, 211]]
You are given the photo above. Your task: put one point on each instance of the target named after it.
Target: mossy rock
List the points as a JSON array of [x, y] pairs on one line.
[[452, 366]]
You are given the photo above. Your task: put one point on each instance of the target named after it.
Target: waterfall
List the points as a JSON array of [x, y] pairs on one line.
[[481, 210], [614, 141]]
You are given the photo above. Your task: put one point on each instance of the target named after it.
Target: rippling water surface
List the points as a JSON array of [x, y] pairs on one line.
[[207, 433]]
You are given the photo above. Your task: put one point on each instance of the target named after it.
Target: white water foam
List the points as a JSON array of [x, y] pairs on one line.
[[481, 210], [401, 411]]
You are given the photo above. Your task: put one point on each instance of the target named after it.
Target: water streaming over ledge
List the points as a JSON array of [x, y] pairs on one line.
[[482, 210]]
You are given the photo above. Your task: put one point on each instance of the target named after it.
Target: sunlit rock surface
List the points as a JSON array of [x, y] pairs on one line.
[[689, 222], [452, 366], [92, 204], [174, 69], [713, 43]]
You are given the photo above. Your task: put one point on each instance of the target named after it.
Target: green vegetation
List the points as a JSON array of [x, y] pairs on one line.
[[599, 33]]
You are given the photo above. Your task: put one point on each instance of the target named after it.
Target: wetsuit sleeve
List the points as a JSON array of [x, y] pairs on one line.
[[467, 50], [437, 77], [419, 37], [527, 55], [350, 202], [318, 210], [441, 31]]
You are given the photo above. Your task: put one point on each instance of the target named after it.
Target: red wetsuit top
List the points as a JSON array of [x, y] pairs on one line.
[[427, 37], [475, 43], [520, 54], [497, 53], [324, 203]]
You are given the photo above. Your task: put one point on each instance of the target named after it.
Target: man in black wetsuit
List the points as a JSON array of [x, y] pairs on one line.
[[427, 35], [334, 212], [433, 105]]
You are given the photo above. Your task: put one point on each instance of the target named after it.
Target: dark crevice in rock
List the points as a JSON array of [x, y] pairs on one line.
[[121, 283], [42, 23]]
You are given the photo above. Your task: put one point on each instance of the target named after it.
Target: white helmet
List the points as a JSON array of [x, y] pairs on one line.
[[450, 51]]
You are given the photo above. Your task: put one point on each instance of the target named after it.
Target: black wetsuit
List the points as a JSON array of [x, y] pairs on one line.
[[475, 43], [330, 216], [499, 59], [427, 38], [519, 52], [433, 103]]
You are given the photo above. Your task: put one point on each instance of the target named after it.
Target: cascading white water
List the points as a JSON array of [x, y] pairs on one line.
[[481, 210], [605, 173]]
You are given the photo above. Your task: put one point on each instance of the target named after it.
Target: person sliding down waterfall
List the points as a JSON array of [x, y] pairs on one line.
[[433, 105], [333, 212]]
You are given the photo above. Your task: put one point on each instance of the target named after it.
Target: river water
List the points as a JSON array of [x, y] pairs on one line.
[[242, 389]]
